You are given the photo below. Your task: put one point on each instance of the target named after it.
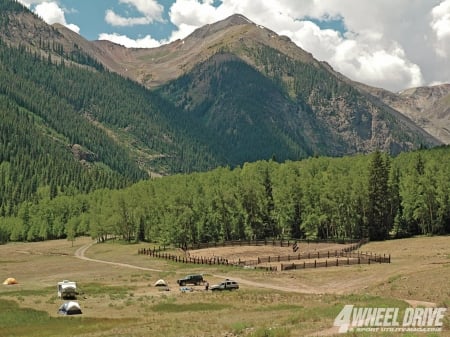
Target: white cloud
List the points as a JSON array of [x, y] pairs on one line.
[[28, 3], [151, 11], [117, 20], [390, 44], [50, 12], [145, 42], [366, 57], [73, 27], [441, 19], [440, 24], [192, 13], [149, 8]]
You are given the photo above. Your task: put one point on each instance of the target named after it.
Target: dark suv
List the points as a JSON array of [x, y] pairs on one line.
[[191, 279]]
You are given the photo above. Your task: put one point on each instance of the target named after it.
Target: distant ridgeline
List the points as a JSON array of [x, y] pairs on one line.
[[369, 196]]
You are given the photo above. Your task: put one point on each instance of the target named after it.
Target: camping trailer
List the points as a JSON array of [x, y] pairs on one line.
[[67, 289]]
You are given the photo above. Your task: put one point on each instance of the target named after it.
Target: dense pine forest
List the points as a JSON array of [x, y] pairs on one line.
[[372, 196]]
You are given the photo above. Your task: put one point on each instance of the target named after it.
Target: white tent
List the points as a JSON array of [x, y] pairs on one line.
[[161, 283], [70, 308]]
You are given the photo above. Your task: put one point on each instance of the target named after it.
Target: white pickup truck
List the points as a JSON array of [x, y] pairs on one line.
[[225, 285]]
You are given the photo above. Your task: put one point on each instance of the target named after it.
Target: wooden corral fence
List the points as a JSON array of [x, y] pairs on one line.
[[184, 259], [301, 256], [345, 256], [346, 259], [195, 259]]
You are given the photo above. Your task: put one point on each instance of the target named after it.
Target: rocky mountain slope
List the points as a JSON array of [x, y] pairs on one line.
[[346, 118], [235, 89], [428, 107]]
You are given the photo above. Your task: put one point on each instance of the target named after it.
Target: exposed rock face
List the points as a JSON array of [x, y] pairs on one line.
[[428, 107], [82, 155]]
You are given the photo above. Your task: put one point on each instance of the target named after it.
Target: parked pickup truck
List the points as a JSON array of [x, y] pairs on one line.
[[191, 279], [225, 285]]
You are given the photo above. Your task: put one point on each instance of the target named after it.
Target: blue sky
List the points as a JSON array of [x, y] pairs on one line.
[[393, 44], [90, 17]]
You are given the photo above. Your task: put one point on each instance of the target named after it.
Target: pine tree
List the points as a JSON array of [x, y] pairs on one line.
[[378, 216]]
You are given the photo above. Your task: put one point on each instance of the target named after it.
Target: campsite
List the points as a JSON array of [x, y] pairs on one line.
[[118, 292]]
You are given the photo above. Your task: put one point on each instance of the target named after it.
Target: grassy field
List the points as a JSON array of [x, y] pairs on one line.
[[118, 298]]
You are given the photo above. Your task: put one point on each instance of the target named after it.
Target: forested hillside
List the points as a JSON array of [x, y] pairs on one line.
[[237, 109], [373, 196], [74, 130]]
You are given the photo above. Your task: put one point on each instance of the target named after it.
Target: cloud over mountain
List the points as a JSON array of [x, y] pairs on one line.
[[389, 44]]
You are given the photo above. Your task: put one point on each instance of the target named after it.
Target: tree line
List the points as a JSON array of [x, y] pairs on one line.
[[372, 196]]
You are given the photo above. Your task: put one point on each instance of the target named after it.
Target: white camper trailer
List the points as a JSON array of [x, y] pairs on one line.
[[67, 289]]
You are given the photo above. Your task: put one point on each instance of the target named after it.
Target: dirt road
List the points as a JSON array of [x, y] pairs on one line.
[[80, 254]]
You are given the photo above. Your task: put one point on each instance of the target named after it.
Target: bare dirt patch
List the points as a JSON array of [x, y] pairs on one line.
[[244, 253]]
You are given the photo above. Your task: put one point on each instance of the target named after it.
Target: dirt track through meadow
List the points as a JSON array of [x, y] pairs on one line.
[[80, 254]]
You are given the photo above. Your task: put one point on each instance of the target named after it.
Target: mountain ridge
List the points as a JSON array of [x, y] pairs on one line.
[[347, 119], [166, 67], [155, 66]]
